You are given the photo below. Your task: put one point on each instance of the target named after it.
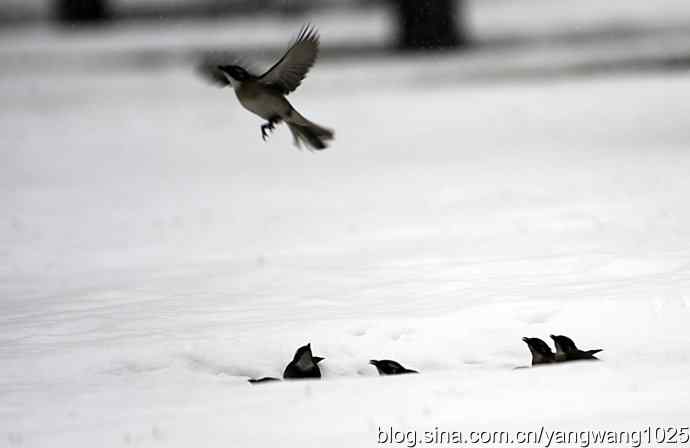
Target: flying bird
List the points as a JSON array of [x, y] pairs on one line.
[[566, 350], [389, 367], [265, 95]]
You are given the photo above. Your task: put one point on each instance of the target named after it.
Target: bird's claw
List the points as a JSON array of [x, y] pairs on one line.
[[268, 126]]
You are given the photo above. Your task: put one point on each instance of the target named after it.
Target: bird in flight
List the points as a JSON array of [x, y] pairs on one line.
[[265, 95]]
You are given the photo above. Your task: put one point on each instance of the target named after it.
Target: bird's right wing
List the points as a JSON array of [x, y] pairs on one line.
[[287, 74]]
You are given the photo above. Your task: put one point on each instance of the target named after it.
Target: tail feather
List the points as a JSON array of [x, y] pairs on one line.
[[309, 133], [594, 352]]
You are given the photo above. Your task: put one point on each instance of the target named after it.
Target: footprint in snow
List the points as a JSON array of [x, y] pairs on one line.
[[473, 362], [203, 365], [132, 367], [536, 317], [400, 333], [358, 332]]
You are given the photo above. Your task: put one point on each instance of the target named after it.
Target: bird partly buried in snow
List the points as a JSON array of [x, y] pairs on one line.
[[541, 352], [303, 365], [264, 95], [566, 350], [388, 367]]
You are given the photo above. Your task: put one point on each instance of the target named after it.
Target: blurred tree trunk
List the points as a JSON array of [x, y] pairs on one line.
[[81, 10], [430, 24]]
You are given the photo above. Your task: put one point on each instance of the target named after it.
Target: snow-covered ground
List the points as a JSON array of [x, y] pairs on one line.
[[155, 253]]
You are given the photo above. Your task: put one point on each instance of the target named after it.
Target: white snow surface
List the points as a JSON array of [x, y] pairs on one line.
[[155, 254]]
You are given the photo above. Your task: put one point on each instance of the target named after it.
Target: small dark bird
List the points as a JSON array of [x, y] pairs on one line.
[[566, 350], [265, 379], [264, 95], [541, 352], [303, 365], [388, 367]]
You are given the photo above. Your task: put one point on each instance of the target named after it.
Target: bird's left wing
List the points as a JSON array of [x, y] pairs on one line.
[[287, 74]]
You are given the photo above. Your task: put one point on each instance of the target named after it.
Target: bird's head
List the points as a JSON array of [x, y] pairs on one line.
[[234, 73], [537, 346], [564, 344]]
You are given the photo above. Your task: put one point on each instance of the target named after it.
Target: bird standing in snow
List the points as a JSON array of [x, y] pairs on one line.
[[264, 95]]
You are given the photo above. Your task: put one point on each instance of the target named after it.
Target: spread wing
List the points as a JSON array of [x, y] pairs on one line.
[[287, 74]]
